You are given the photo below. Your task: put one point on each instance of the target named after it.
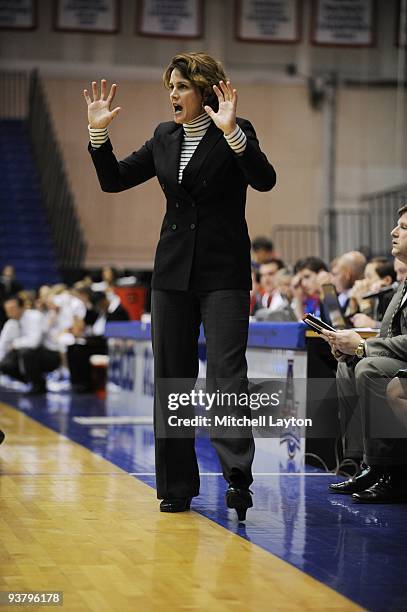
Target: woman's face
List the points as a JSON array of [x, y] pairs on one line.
[[186, 99]]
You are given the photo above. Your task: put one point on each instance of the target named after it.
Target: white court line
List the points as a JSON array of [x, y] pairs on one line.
[[114, 420], [254, 474]]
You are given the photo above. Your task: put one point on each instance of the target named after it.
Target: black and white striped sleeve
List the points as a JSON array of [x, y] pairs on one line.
[[98, 136], [237, 140]]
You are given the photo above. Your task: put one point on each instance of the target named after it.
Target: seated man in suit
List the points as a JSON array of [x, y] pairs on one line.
[[371, 434], [26, 350]]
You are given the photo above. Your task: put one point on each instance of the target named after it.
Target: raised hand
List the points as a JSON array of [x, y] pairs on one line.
[[99, 113], [225, 118]]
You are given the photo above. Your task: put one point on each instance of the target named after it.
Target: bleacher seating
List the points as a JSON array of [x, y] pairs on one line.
[[25, 236]]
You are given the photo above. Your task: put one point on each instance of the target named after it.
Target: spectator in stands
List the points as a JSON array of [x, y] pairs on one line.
[[280, 307], [256, 291], [108, 309], [346, 270], [299, 296], [42, 297], [107, 284], [307, 270], [29, 297], [365, 367], [83, 292], [262, 251], [90, 339], [379, 279], [8, 286], [283, 281], [26, 352], [70, 308], [270, 298]]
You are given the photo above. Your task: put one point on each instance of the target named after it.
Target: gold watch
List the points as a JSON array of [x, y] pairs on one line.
[[360, 351]]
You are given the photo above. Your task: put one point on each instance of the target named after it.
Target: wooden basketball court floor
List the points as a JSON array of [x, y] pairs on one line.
[[79, 515]]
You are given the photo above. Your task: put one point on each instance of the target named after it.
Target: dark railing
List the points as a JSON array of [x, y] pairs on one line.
[[13, 94], [58, 199], [295, 241], [381, 208], [366, 227], [344, 229]]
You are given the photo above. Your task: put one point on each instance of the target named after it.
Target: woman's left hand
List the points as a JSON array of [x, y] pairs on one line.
[[225, 118]]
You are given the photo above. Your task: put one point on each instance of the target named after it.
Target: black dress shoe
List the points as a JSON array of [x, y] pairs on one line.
[[388, 490], [79, 388], [240, 500], [37, 389], [367, 476], [175, 504], [2, 436]]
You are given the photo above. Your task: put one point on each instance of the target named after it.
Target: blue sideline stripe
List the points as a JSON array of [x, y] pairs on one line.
[[267, 335]]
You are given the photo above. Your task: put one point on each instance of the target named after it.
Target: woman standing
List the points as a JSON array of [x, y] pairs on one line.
[[204, 160]]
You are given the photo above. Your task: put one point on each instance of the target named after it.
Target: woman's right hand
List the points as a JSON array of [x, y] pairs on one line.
[[99, 113]]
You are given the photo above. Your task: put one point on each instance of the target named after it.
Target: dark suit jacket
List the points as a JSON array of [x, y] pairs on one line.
[[10, 289], [120, 314], [204, 242], [395, 345]]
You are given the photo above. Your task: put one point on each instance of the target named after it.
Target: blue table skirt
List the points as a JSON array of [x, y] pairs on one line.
[[262, 334]]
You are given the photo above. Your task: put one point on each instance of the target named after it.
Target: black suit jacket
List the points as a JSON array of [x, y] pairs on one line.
[[120, 314], [204, 243]]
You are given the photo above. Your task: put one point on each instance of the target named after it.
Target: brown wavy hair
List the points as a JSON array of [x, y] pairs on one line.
[[202, 70]]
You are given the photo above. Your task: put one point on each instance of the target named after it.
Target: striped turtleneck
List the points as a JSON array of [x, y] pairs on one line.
[[194, 131]]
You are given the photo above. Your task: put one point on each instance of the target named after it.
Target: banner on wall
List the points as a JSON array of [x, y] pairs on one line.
[[170, 18], [17, 15], [274, 21], [343, 23], [99, 16]]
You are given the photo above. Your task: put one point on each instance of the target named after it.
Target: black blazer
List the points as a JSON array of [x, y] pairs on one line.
[[204, 243]]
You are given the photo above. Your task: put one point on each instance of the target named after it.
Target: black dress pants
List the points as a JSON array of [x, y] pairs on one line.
[[30, 365], [79, 355], [176, 318], [369, 427]]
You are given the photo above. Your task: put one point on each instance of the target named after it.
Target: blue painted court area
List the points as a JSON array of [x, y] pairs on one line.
[[358, 550]]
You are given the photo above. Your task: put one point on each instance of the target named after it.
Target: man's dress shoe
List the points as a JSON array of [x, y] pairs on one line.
[[362, 480], [175, 504], [389, 489]]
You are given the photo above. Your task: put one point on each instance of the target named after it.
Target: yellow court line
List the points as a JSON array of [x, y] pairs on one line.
[[71, 521]]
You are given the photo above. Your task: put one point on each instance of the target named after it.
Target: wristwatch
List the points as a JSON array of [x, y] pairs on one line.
[[360, 351]]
